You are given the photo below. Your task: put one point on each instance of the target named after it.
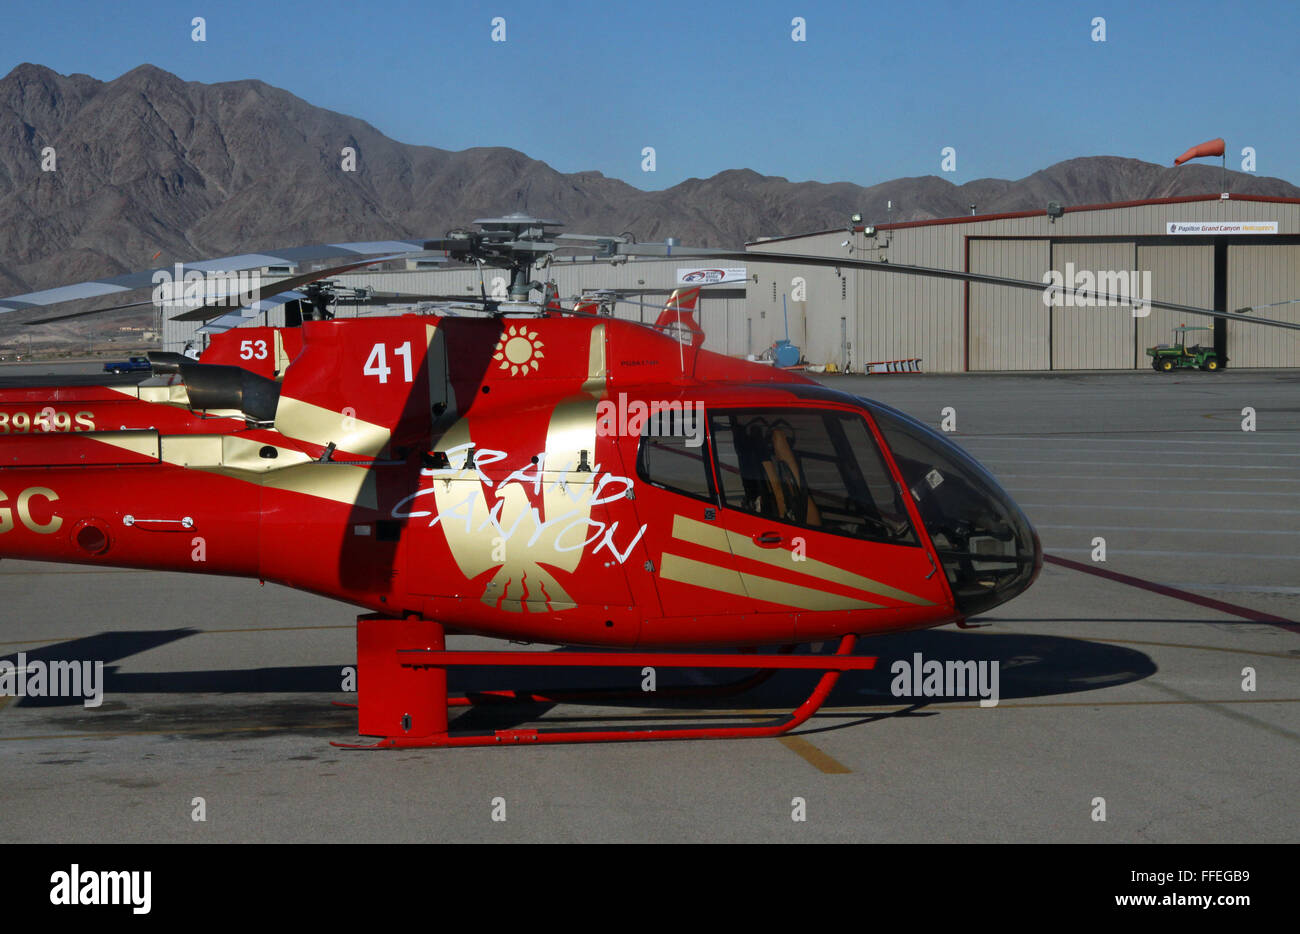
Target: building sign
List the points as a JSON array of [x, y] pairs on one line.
[[1221, 227], [708, 276]]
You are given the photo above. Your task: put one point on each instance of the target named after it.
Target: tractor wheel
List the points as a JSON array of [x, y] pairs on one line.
[[1211, 365], [1166, 365]]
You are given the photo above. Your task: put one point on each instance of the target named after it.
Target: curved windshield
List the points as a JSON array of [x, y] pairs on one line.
[[989, 551]]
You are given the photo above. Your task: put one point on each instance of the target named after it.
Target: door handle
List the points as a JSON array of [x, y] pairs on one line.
[[768, 539]]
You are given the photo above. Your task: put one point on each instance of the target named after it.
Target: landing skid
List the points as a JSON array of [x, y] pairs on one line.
[[402, 687]]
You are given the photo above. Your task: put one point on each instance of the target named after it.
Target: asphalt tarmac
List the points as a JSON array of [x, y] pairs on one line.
[[1158, 689]]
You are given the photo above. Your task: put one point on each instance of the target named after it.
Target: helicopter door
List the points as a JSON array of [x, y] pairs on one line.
[[685, 541], [814, 516]]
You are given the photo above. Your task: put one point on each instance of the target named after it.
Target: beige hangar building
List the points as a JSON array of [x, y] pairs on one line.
[[1209, 251]]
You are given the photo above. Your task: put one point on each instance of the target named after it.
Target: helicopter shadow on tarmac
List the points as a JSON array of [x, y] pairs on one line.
[[257, 702], [1029, 666]]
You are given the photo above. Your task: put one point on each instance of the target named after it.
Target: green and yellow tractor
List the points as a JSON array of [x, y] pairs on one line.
[[1167, 357]]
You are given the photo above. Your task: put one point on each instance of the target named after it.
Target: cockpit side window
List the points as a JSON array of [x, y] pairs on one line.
[[673, 454], [820, 469]]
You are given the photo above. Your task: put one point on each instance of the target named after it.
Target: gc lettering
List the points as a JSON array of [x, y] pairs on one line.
[[23, 507]]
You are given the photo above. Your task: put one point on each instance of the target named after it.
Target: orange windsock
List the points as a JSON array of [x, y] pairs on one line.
[[1213, 148]]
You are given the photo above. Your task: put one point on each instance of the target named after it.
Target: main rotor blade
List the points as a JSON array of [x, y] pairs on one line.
[[143, 280], [238, 316], [658, 306], [662, 290], [664, 250], [389, 298], [221, 305], [1248, 308], [83, 314]]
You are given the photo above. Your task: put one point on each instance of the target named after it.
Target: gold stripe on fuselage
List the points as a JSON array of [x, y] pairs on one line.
[[734, 543], [769, 590], [304, 421], [240, 458]]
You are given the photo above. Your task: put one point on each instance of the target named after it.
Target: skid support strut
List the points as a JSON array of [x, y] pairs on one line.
[[402, 687]]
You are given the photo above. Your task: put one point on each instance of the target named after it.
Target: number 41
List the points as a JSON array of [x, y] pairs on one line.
[[377, 362]]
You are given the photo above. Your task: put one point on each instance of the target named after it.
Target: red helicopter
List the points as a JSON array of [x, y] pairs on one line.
[[535, 473]]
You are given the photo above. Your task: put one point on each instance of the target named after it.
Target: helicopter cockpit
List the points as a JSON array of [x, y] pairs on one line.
[[822, 471]]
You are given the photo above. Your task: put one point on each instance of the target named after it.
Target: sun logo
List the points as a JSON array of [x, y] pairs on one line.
[[519, 350]]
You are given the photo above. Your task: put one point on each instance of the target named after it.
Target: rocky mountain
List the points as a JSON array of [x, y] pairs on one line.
[[151, 165]]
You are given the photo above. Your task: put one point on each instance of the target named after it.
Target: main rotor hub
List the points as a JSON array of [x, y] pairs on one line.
[[516, 227], [515, 242]]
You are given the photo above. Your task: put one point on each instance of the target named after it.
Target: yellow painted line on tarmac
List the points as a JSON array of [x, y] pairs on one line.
[[1144, 703], [74, 569], [45, 640], [817, 758], [49, 640], [1172, 645], [1184, 645], [277, 629], [96, 571], [838, 714], [813, 755], [857, 711], [210, 731], [1226, 711], [820, 760]]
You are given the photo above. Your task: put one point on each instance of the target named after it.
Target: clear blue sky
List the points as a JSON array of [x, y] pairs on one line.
[[876, 92]]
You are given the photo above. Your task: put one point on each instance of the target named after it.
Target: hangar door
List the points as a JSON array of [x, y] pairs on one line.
[[1009, 328], [1257, 275], [1182, 274], [1093, 337]]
